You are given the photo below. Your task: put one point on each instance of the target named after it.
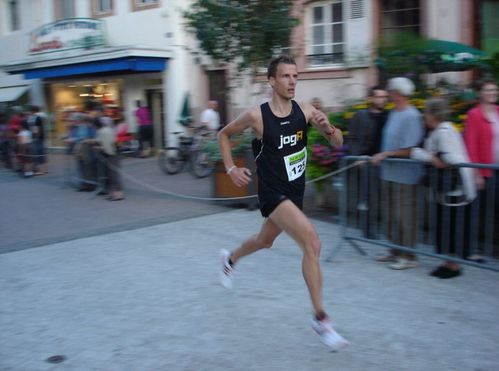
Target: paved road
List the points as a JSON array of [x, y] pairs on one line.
[[148, 299]]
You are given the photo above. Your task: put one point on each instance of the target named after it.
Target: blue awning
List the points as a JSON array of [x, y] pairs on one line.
[[125, 64]]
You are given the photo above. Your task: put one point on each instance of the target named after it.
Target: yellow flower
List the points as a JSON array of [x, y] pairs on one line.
[[348, 115], [459, 127]]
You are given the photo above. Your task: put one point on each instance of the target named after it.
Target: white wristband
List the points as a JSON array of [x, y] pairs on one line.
[[231, 168]]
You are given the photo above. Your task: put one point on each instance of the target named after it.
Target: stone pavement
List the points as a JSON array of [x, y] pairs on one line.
[[149, 299], [44, 210]]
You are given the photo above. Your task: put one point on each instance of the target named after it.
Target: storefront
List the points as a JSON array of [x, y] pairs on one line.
[[66, 97], [75, 66]]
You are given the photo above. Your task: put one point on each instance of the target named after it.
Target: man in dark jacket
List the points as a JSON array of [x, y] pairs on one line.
[[364, 138], [366, 126]]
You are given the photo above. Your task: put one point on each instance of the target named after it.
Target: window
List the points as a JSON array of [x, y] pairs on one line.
[[400, 16], [14, 24], [64, 9], [144, 4], [102, 8], [327, 33]]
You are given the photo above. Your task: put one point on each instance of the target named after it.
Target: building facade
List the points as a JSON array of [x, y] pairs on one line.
[[336, 40], [60, 53]]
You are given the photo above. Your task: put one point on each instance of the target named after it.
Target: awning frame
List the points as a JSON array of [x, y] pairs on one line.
[[100, 60]]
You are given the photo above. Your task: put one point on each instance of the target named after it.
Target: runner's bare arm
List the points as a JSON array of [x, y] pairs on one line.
[[321, 122], [249, 119]]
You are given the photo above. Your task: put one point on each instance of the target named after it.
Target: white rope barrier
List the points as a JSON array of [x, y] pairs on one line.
[[190, 197]]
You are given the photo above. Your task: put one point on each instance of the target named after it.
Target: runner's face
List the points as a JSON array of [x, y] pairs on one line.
[[284, 83]]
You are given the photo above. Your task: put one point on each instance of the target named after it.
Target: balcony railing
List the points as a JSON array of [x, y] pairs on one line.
[[325, 59]]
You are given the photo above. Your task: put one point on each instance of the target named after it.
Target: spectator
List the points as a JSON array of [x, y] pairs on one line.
[[317, 104], [85, 154], [402, 132], [210, 117], [16, 120], [144, 122], [366, 126], [364, 138], [106, 141], [24, 141], [35, 122], [443, 147], [4, 141], [481, 136]]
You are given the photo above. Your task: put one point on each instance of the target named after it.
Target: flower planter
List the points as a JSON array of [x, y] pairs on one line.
[[223, 187]]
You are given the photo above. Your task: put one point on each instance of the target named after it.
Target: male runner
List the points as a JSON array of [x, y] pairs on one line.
[[280, 150]]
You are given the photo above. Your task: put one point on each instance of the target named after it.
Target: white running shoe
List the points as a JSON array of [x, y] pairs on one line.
[[227, 272], [329, 337], [403, 263]]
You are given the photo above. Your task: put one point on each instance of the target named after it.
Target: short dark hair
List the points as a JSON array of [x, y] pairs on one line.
[[482, 82], [370, 91], [272, 68]]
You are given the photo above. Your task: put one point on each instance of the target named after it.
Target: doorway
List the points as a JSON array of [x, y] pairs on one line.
[[217, 91], [155, 103]]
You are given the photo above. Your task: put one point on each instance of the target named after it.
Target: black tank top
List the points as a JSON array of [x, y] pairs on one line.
[[281, 154]]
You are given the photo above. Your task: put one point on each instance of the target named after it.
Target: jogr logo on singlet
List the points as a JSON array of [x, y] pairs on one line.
[[290, 139]]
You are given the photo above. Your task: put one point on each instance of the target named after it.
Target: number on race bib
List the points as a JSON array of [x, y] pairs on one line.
[[295, 164]]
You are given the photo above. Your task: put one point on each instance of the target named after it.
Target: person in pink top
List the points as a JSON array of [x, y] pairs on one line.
[[144, 122], [481, 137]]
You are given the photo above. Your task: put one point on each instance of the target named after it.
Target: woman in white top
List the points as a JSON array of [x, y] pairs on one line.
[[24, 141], [445, 147]]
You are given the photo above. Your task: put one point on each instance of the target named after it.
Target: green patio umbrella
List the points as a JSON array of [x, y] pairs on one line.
[[431, 55], [444, 56], [185, 116]]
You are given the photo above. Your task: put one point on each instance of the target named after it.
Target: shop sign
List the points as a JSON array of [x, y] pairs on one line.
[[72, 33]]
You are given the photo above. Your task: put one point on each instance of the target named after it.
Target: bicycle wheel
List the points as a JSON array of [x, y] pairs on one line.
[[201, 165], [170, 160]]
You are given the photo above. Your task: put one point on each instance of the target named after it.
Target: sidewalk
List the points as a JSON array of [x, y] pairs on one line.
[[44, 210], [149, 299]]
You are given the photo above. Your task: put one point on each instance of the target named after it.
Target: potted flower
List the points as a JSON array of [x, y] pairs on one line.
[[323, 159], [243, 157]]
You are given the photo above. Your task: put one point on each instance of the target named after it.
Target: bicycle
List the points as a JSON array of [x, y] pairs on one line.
[[189, 153]]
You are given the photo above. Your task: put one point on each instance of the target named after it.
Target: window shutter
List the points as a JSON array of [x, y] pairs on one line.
[[357, 9], [359, 33]]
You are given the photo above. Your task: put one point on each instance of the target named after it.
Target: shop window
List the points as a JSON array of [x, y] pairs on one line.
[[13, 11], [102, 8], [144, 4], [64, 9], [400, 16]]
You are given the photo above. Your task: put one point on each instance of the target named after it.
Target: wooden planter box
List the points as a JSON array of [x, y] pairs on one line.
[[224, 188]]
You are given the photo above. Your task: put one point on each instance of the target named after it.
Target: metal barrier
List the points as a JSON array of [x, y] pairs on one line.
[[86, 165], [432, 218]]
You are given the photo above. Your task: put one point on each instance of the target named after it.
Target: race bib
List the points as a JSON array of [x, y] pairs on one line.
[[295, 164]]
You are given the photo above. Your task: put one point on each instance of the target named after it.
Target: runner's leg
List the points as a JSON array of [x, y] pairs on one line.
[[264, 239], [292, 221]]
